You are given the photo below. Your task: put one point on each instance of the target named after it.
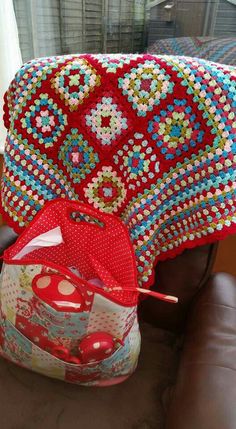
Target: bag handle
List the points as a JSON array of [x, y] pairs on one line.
[[74, 206]]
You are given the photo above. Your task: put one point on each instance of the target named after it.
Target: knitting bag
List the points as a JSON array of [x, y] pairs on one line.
[[68, 299]]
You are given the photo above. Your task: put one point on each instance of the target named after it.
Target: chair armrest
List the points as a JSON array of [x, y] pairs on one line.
[[7, 237], [205, 392], [182, 276]]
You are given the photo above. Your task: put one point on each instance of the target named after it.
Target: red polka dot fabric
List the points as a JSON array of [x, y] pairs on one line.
[[95, 244]]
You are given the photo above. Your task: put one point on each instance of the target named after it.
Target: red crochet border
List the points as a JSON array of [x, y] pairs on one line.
[[6, 119], [213, 238]]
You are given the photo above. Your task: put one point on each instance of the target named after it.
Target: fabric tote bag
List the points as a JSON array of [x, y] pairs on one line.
[[68, 297]]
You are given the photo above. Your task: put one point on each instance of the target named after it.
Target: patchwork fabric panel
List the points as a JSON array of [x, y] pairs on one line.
[[149, 138], [35, 335], [109, 316]]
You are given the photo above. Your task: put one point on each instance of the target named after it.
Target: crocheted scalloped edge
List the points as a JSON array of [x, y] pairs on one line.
[[188, 245], [6, 112], [215, 237]]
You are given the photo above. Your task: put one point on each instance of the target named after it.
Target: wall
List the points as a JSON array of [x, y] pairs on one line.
[[189, 19], [225, 20], [226, 256]]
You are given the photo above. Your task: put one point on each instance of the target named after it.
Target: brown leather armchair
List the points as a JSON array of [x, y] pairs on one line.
[[186, 377]]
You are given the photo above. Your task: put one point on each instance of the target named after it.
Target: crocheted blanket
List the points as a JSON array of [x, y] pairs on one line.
[[148, 138]]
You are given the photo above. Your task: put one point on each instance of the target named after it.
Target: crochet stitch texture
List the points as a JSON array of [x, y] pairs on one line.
[[149, 138]]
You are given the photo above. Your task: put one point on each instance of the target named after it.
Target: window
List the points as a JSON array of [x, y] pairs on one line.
[[51, 27]]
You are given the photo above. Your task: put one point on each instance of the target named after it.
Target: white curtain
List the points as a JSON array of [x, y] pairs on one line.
[[10, 55]]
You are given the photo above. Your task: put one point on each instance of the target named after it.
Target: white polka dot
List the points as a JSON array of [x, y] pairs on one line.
[[108, 351], [65, 287], [43, 282], [96, 345]]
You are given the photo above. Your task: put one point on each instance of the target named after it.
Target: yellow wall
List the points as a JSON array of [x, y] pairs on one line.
[[226, 256]]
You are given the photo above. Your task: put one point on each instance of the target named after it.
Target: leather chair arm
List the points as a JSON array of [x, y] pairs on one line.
[[205, 393], [7, 237], [182, 276]]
